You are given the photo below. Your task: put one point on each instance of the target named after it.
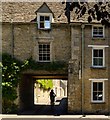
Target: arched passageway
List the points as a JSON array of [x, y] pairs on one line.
[[27, 91]]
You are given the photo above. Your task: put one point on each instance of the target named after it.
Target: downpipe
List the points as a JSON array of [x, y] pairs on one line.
[[82, 61]]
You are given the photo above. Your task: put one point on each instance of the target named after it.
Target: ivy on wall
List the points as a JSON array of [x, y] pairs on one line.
[[51, 66]]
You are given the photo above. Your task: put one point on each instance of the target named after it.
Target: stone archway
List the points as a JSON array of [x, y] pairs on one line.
[[26, 88]]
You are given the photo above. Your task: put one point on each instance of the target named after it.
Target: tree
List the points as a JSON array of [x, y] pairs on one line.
[[45, 84], [98, 11], [10, 77]]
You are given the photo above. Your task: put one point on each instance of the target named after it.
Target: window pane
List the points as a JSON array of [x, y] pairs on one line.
[[40, 58], [44, 55], [40, 55], [101, 33], [47, 24], [100, 53], [44, 58], [40, 48], [101, 28], [48, 50], [41, 18], [41, 25], [47, 18], [47, 55], [44, 47], [95, 53], [100, 86], [95, 61], [100, 62], [95, 33], [48, 58], [48, 46], [95, 28], [100, 96], [94, 95], [94, 86]]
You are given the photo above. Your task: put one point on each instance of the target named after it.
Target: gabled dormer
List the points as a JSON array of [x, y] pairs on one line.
[[44, 17]]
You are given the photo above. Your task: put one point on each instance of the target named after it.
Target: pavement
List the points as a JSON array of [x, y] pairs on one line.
[[52, 117], [59, 111], [60, 108]]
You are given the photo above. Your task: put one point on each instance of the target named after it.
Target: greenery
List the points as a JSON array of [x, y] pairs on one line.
[[11, 71], [11, 68], [46, 84], [51, 66]]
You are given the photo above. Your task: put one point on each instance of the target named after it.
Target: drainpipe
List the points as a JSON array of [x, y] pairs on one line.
[[82, 61], [12, 40]]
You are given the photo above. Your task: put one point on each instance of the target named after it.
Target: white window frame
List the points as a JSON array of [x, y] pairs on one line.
[[44, 14], [43, 40], [43, 53], [97, 48], [103, 98], [98, 36]]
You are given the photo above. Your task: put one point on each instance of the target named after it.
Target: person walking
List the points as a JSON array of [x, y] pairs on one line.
[[52, 97]]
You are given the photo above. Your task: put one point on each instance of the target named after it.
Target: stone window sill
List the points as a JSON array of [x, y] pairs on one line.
[[44, 29], [94, 67], [97, 102], [98, 38]]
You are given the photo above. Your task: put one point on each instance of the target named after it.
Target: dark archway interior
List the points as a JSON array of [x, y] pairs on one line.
[[26, 94]]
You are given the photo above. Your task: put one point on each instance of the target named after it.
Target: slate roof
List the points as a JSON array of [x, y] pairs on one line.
[[25, 12]]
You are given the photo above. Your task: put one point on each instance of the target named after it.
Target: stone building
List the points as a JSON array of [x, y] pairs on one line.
[[35, 30]]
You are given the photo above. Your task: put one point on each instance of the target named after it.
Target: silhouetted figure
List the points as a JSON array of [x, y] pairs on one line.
[[52, 97]]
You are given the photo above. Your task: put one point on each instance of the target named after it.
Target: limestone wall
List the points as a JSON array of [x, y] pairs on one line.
[[92, 73], [79, 90], [22, 39]]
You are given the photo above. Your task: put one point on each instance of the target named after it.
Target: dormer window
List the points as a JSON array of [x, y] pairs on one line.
[[44, 17], [44, 21]]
